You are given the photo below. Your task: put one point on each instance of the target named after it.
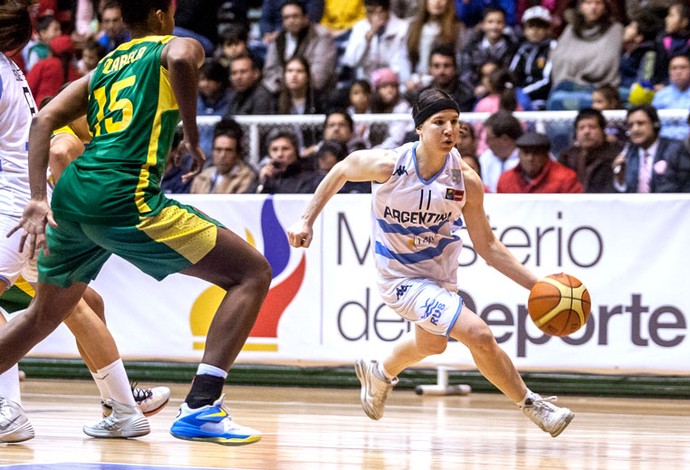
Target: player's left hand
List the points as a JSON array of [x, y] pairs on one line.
[[37, 214], [300, 234], [198, 161]]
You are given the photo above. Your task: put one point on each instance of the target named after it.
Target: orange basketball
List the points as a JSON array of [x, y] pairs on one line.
[[559, 304]]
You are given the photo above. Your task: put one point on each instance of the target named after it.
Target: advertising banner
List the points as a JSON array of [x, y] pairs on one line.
[[323, 305]]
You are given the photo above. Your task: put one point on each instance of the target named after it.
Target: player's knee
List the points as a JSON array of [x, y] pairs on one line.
[[429, 348], [482, 338]]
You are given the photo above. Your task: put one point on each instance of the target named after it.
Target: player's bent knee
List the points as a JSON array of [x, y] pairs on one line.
[[429, 348]]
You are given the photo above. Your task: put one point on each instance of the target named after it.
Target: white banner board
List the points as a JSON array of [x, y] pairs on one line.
[[631, 251]]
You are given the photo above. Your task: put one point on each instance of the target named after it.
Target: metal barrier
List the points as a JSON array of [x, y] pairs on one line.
[[557, 124]]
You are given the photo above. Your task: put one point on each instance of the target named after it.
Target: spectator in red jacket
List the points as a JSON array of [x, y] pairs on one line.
[[537, 172]]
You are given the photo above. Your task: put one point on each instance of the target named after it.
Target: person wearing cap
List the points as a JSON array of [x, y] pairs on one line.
[[537, 172], [50, 74], [531, 64], [424, 196], [387, 99]]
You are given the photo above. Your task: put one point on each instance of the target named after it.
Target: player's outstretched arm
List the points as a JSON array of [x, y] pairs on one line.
[[362, 165], [483, 239]]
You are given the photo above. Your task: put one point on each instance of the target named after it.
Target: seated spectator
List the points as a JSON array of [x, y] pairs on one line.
[[48, 75], [91, 54], [301, 38], [471, 12], [376, 42], [247, 94], [331, 152], [675, 39], [434, 24], [177, 167], [339, 16], [537, 172], [234, 42], [676, 95], [285, 172], [360, 97], [591, 155], [47, 29], [443, 70], [213, 99], [467, 142], [531, 64], [297, 94], [490, 42], [485, 71], [584, 57], [502, 96], [652, 164], [502, 130], [639, 55], [338, 127], [607, 97], [271, 21], [387, 99], [229, 173], [113, 31], [198, 19]]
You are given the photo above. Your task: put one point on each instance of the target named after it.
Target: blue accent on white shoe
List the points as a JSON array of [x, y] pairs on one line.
[[211, 423]]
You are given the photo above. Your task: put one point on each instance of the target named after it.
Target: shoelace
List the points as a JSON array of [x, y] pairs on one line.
[[140, 394]]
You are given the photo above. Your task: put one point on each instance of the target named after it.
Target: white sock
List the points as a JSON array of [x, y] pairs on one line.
[[9, 384], [102, 389], [207, 369], [115, 379], [529, 394], [384, 373]]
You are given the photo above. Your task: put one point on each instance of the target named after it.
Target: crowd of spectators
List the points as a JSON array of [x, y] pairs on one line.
[[342, 59]]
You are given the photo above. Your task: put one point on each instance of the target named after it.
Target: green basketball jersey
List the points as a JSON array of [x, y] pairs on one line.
[[132, 115]]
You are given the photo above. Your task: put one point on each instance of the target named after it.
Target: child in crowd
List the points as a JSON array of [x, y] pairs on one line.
[[639, 55], [531, 64], [47, 29], [490, 42], [90, 56], [360, 96], [388, 99], [607, 97], [673, 40]]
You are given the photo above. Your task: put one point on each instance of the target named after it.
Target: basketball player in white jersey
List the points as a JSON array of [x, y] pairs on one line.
[[420, 193], [17, 107]]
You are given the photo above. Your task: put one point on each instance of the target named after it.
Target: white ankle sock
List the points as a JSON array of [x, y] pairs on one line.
[[102, 389], [384, 373], [529, 394], [114, 377], [207, 369], [9, 384]]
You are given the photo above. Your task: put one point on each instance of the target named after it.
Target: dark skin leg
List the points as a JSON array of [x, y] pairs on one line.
[[237, 267]]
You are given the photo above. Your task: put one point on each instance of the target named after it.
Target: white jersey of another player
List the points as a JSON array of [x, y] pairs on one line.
[[417, 222], [17, 107]]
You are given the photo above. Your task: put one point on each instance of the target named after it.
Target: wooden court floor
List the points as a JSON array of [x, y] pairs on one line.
[[325, 428]]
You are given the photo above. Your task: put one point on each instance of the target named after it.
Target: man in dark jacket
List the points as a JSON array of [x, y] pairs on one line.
[[247, 94], [591, 155]]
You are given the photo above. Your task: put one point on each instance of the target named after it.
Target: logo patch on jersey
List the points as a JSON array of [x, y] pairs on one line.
[[401, 290], [456, 176], [455, 194], [400, 171]]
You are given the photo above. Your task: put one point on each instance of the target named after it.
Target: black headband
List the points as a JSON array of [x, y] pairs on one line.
[[425, 113]]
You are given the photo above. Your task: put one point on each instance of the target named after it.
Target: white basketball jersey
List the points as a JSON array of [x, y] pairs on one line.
[[17, 107], [417, 222]]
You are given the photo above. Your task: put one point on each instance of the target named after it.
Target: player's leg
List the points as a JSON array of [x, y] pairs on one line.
[[496, 366], [244, 273], [379, 378], [14, 424], [82, 320]]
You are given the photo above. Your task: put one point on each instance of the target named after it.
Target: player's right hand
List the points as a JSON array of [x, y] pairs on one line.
[[198, 161], [37, 214], [300, 234]]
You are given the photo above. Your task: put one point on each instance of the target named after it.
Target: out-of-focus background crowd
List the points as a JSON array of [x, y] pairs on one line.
[[329, 64]]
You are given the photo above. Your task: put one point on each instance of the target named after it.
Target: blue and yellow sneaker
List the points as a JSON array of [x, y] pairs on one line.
[[211, 423]]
